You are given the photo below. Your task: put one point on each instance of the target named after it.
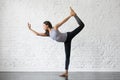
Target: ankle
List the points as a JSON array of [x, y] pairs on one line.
[[66, 72]]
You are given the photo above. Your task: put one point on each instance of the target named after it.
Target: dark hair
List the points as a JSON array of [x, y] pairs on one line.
[[49, 25]]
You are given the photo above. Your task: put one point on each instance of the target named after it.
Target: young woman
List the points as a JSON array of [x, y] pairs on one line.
[[66, 38]]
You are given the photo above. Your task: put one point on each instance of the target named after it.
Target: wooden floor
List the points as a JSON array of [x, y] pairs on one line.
[[55, 76]]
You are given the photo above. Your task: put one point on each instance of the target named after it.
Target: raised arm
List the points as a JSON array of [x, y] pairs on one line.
[[35, 32], [65, 20], [62, 22]]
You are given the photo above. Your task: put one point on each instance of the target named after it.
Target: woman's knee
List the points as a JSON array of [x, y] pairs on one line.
[[82, 26]]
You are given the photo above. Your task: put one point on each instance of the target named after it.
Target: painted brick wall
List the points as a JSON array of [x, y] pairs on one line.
[[95, 48]]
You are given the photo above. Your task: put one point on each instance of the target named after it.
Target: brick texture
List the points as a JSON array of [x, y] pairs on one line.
[[95, 48]]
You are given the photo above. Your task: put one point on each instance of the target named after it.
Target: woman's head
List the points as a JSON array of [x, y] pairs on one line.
[[47, 24]]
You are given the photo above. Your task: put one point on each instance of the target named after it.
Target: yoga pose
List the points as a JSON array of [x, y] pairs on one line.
[[66, 38]]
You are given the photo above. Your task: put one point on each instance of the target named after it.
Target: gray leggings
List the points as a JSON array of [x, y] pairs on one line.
[[70, 36]]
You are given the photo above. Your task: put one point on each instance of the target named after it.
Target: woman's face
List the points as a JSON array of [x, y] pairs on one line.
[[45, 27]]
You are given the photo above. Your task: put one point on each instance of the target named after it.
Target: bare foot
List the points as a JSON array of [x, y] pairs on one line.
[[72, 13], [64, 75]]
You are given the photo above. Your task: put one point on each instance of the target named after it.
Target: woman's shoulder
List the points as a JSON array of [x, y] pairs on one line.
[[54, 29]]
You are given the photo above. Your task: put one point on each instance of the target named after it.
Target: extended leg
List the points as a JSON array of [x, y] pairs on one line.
[[78, 29], [79, 21]]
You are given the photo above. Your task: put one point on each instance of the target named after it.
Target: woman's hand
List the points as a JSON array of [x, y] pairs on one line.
[[29, 25], [72, 13], [35, 32]]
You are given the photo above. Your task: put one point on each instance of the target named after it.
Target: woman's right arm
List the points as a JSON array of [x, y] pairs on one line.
[[35, 32]]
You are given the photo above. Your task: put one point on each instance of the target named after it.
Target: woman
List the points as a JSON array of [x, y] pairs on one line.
[[66, 38]]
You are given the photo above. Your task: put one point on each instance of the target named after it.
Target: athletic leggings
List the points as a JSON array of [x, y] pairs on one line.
[[70, 36]]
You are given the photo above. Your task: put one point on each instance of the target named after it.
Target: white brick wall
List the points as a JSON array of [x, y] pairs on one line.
[[96, 48]]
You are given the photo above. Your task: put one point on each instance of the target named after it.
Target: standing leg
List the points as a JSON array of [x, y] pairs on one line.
[[67, 54], [67, 45]]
